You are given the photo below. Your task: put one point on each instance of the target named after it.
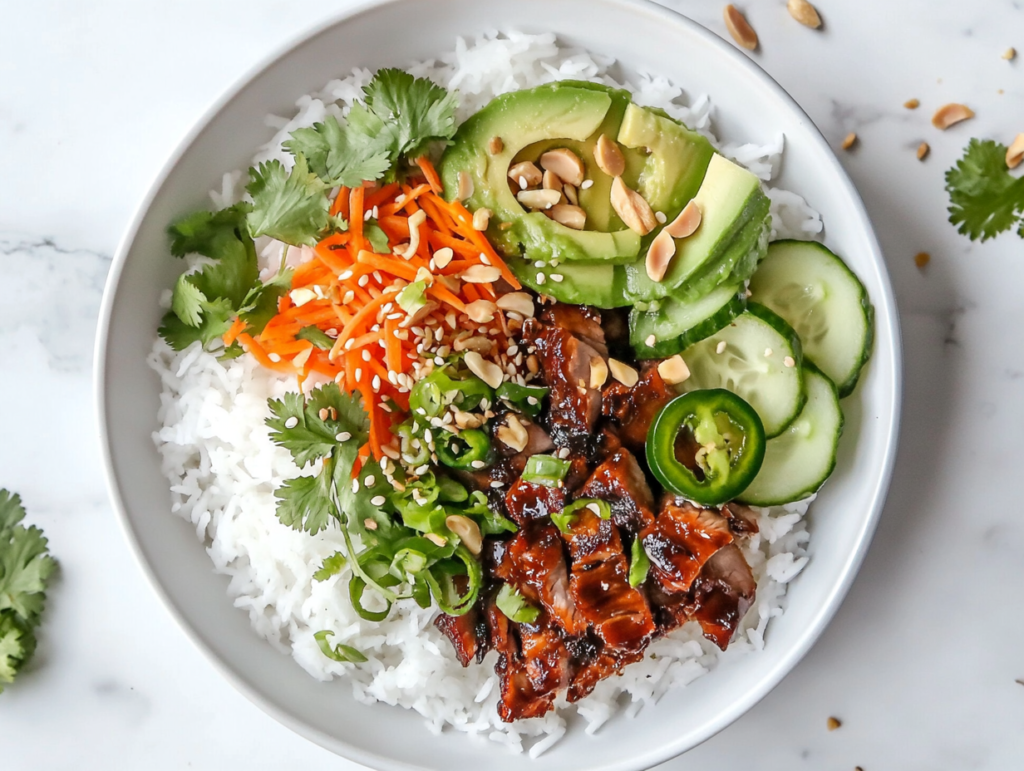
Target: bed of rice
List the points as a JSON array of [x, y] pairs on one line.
[[223, 468]]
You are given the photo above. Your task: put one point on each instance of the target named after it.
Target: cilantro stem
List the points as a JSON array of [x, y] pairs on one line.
[[389, 595]]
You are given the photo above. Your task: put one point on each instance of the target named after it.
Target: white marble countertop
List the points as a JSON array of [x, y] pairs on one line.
[[923, 660]]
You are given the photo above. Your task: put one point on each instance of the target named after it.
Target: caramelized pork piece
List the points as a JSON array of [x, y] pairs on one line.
[[595, 669], [565, 368], [526, 501], [534, 563], [722, 595], [599, 582], [620, 481], [742, 519], [681, 540], [467, 633], [530, 675], [634, 409], [581, 321]]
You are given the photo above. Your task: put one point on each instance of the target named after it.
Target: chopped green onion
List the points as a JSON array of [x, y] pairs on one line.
[[526, 399], [491, 522], [639, 564], [340, 652], [441, 579], [514, 605], [563, 519], [407, 562], [465, 449], [545, 470], [451, 491]]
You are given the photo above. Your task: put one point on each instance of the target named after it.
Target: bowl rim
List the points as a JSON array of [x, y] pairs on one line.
[[657, 754]]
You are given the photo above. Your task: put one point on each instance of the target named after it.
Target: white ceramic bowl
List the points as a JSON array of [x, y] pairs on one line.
[[750, 106]]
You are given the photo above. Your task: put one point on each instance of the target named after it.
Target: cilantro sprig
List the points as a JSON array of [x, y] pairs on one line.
[[25, 568], [984, 198], [402, 115]]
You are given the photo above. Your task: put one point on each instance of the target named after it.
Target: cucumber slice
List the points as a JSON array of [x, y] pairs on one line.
[[821, 298], [677, 325], [798, 461], [774, 390]]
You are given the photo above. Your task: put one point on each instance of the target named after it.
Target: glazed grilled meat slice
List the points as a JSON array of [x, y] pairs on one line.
[[565, 367], [526, 501], [599, 582], [581, 321], [681, 540], [533, 664], [467, 633], [537, 442], [633, 409], [722, 595], [593, 670], [742, 519], [533, 561], [620, 481]]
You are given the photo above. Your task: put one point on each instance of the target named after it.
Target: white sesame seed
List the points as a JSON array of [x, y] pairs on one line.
[[720, 348], [789, 361], [369, 481], [660, 216], [587, 184], [367, 214], [484, 259], [355, 485], [563, 453], [332, 332], [539, 264], [346, 276], [427, 436], [594, 508], [523, 183], [541, 278], [363, 280], [275, 357], [366, 355], [650, 341], [496, 484], [375, 383], [768, 352], [375, 215], [292, 422], [531, 400], [378, 500], [344, 436], [359, 374], [377, 277], [557, 277]]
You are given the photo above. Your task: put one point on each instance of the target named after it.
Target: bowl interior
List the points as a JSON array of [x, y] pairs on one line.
[[749, 106]]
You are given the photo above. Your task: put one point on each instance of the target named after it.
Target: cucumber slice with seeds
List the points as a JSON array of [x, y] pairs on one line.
[[821, 298], [677, 325], [798, 461], [757, 356]]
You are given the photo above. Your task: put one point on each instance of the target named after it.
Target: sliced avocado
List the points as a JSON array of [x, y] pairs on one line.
[[733, 231], [519, 119], [677, 159], [603, 286]]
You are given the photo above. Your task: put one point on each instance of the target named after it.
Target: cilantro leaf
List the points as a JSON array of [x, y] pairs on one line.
[[205, 302], [331, 566], [984, 198], [316, 336], [304, 503], [25, 568], [340, 156], [415, 110], [377, 237], [13, 651], [260, 304], [211, 234], [291, 207]]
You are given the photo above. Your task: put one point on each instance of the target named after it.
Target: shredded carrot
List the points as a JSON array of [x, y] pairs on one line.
[[355, 303], [430, 173]]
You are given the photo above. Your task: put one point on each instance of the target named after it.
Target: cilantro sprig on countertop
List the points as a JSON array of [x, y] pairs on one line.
[[401, 117], [25, 569], [985, 199]]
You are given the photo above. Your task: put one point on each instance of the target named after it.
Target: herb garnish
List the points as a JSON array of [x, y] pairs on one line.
[[984, 198], [25, 568]]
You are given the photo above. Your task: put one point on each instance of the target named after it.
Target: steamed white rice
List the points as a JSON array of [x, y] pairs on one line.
[[223, 467]]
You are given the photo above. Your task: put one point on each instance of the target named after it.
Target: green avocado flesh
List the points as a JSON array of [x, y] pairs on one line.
[[604, 263]]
